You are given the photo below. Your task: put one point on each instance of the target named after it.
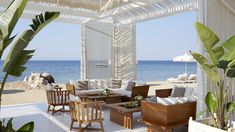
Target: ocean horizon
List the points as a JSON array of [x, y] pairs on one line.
[[65, 70]]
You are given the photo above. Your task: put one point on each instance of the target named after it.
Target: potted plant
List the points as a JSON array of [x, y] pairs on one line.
[[14, 64], [219, 66], [138, 99]]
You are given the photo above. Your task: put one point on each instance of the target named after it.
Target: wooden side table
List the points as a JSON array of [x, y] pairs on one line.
[[122, 115]]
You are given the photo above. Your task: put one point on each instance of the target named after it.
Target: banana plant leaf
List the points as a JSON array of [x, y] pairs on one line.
[[8, 20], [208, 68], [230, 71], [223, 64], [210, 102], [18, 55], [230, 107], [210, 39], [229, 46], [28, 127]]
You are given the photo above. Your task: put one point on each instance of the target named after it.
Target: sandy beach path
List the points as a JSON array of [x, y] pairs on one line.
[[26, 96]]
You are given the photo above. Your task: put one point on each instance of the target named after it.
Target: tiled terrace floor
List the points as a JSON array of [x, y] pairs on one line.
[[60, 122]]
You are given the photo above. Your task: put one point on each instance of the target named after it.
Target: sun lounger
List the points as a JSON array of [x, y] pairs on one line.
[[183, 78]]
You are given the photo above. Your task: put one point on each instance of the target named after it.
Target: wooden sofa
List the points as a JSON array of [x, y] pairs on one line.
[[127, 95], [163, 118]]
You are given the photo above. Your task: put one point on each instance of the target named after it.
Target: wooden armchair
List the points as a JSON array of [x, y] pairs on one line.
[[86, 113], [139, 90], [57, 98], [70, 87], [163, 118]]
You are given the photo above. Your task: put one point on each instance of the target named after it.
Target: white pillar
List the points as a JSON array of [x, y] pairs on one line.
[[124, 51]]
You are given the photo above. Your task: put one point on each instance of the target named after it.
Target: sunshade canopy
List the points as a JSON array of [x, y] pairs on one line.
[[184, 58]]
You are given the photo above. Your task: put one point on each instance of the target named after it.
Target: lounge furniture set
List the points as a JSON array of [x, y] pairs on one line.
[[157, 112], [183, 78]]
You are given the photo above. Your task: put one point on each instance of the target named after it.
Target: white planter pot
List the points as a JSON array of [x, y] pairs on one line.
[[200, 126]]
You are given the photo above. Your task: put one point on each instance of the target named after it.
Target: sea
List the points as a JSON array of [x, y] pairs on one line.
[[64, 71]]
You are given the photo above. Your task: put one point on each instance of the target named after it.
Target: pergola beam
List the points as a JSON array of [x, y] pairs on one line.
[[128, 12], [124, 8], [157, 13]]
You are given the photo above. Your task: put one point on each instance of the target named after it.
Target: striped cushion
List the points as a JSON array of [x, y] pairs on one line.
[[83, 85], [116, 83]]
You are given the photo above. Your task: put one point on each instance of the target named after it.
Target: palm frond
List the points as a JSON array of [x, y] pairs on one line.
[[18, 56], [8, 20]]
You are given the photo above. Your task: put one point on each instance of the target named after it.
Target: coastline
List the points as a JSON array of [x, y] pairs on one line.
[[21, 95]]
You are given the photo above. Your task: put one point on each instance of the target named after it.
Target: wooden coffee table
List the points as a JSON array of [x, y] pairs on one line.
[[122, 115], [112, 98]]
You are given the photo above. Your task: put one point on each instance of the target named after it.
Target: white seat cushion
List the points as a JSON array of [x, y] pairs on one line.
[[78, 92], [166, 101], [152, 99], [121, 91]]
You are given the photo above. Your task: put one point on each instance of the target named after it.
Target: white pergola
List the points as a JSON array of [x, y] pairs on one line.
[[108, 40], [108, 29], [117, 12]]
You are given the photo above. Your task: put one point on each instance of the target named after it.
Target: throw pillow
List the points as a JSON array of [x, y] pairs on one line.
[[92, 84], [116, 83], [130, 86], [178, 92], [188, 92], [106, 83], [83, 85], [125, 84], [101, 84]]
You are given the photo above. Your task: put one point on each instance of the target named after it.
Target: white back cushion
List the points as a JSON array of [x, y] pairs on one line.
[[92, 84], [100, 84], [124, 84], [188, 92]]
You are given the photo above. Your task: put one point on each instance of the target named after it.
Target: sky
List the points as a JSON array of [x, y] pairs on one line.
[[158, 39]]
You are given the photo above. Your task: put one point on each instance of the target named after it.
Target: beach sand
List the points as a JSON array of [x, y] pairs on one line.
[[13, 95]]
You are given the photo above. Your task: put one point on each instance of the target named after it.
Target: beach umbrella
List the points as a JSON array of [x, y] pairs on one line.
[[184, 58]]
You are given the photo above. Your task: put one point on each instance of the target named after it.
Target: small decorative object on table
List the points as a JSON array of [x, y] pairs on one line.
[[130, 105], [105, 92], [138, 99]]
